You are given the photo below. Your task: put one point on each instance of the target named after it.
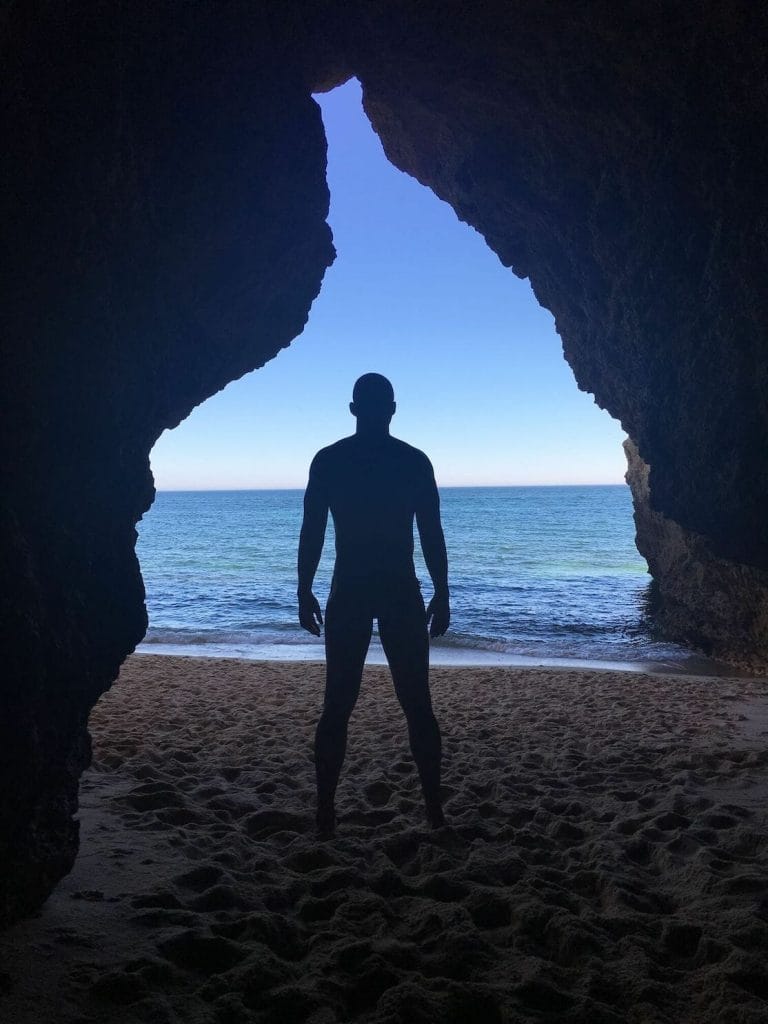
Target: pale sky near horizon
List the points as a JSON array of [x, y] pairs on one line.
[[478, 371]]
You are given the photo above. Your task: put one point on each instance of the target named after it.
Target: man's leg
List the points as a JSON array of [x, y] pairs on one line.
[[347, 636], [403, 632]]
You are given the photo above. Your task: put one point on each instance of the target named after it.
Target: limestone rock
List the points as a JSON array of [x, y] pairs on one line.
[[165, 213], [715, 605]]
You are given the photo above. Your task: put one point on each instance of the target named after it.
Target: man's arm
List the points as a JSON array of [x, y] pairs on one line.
[[310, 548], [435, 555]]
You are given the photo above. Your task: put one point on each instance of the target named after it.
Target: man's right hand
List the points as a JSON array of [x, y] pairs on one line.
[[310, 616]]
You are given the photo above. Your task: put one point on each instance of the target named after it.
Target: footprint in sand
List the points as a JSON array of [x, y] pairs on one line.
[[196, 951], [200, 878], [670, 820], [378, 793], [370, 818], [629, 826], [155, 919], [444, 890], [91, 895], [153, 796], [314, 859], [488, 911], [567, 833], [313, 909], [335, 879], [719, 821], [119, 987], [682, 939], [683, 846], [269, 822], [219, 897], [162, 900], [258, 930]]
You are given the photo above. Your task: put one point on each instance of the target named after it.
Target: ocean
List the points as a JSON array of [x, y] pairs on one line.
[[542, 575]]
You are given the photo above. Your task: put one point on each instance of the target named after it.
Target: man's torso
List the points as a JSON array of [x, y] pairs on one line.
[[373, 489]]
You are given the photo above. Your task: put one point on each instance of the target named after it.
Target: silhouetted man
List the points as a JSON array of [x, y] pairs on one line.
[[374, 485]]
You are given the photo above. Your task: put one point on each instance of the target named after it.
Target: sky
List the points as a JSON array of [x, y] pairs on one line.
[[479, 376]]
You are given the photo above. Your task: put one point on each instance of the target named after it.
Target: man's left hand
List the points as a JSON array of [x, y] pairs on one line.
[[438, 615]]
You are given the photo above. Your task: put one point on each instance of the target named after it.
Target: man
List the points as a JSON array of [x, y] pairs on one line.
[[374, 485]]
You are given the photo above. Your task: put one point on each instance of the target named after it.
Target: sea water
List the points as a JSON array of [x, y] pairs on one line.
[[542, 574]]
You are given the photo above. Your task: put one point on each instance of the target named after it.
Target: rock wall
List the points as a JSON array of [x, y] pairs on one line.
[[610, 153], [716, 605], [164, 220], [164, 210]]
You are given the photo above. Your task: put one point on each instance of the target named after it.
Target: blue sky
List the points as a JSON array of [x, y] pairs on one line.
[[478, 371]]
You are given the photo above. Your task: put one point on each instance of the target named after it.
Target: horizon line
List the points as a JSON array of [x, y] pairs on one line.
[[440, 487]]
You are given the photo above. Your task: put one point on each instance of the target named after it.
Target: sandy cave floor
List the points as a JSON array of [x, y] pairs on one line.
[[607, 859]]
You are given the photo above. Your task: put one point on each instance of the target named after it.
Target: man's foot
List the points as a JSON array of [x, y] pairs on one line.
[[435, 816], [326, 822]]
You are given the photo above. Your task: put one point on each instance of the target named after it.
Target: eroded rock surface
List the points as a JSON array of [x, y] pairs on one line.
[[164, 213], [610, 156], [716, 605], [165, 223]]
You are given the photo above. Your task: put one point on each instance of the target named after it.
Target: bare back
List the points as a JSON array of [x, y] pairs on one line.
[[374, 487]]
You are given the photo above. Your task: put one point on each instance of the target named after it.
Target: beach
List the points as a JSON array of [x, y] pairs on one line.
[[606, 858]]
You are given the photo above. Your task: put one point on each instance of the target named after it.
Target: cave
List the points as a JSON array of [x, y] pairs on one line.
[[165, 232]]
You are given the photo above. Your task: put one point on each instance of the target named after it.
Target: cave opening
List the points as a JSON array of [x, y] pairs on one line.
[[166, 218], [518, 449]]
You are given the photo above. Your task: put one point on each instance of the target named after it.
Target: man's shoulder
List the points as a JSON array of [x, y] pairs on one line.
[[416, 456], [341, 452], [331, 453]]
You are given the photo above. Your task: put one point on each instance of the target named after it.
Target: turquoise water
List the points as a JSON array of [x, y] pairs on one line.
[[543, 573]]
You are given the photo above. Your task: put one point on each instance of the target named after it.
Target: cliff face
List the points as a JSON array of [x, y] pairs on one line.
[[608, 159], [716, 605], [164, 219], [606, 154]]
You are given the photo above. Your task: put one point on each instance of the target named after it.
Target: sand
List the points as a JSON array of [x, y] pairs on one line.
[[607, 858]]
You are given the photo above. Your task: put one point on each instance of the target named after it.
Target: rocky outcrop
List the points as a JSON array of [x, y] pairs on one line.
[[603, 156], [164, 210], [715, 605], [164, 216], [604, 152]]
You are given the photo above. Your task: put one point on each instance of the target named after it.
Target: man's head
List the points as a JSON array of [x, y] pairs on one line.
[[373, 401]]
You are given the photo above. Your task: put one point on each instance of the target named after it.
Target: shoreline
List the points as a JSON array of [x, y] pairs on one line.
[[450, 657]]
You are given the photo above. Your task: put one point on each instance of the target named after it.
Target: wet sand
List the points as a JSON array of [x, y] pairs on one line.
[[607, 859]]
